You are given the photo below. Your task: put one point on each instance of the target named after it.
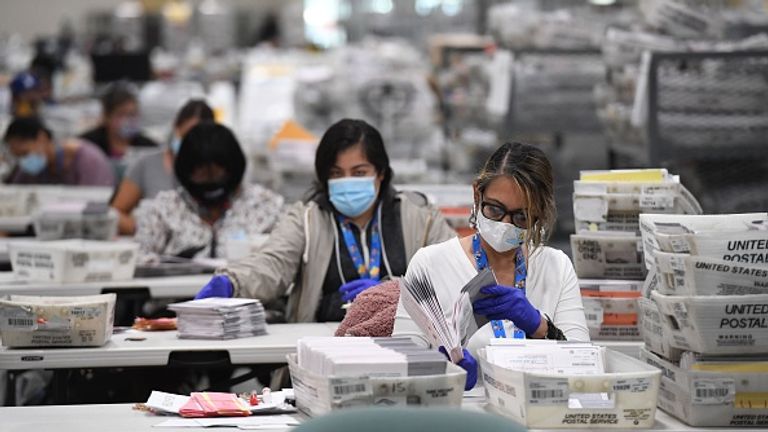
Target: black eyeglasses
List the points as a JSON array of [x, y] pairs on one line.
[[497, 213]]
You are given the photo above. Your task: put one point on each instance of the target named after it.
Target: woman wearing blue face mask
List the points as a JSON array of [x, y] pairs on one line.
[[352, 232], [153, 173], [42, 159], [537, 294]]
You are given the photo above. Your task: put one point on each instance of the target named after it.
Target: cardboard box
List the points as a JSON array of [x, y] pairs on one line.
[[36, 321], [727, 236], [73, 261], [625, 395], [317, 394], [689, 275], [608, 255], [716, 324], [729, 393]]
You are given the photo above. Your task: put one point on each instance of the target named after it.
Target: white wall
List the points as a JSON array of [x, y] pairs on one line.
[[32, 18]]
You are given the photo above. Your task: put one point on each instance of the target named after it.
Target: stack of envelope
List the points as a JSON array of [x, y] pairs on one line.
[[220, 318], [358, 356]]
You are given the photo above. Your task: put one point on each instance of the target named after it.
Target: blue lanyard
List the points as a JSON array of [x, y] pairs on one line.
[[373, 269], [521, 272]]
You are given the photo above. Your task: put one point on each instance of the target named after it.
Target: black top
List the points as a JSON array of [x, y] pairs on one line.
[[98, 136], [329, 308]]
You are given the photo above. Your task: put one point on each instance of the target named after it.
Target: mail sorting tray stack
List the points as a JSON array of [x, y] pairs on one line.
[[705, 318], [607, 249]]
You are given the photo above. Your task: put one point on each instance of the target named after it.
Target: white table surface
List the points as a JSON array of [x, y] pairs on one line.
[[121, 417], [156, 348], [159, 287]]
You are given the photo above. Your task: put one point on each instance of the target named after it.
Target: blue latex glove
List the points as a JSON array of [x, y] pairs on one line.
[[350, 290], [218, 286], [510, 304], [469, 364]]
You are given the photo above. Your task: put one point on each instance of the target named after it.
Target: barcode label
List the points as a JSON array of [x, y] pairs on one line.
[[680, 245], [17, 319], [633, 385], [593, 312], [350, 389], [21, 322], [714, 391], [344, 390], [548, 392]]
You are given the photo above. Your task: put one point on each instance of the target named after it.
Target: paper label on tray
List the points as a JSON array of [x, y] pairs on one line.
[[714, 391], [679, 244], [548, 392], [87, 313], [593, 312], [650, 201], [593, 209], [632, 385], [17, 319], [677, 262]]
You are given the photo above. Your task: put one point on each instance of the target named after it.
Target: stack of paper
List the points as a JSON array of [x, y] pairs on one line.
[[220, 318], [550, 357], [420, 300], [374, 357]]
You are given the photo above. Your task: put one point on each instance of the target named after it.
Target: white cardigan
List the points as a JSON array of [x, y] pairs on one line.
[[551, 286]]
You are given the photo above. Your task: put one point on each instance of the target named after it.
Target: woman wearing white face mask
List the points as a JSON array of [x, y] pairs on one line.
[[353, 232], [537, 295]]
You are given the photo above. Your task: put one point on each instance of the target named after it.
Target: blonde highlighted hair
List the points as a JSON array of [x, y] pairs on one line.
[[530, 169]]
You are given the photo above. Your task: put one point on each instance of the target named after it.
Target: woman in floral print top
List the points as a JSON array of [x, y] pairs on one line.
[[212, 207]]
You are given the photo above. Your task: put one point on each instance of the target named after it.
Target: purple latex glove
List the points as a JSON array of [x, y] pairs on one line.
[[350, 290], [218, 286], [509, 304], [469, 364]]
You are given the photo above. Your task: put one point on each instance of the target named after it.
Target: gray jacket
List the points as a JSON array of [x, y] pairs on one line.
[[295, 259]]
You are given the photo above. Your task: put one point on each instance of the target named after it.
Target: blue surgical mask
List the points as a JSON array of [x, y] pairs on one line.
[[501, 236], [175, 144], [352, 196], [33, 163]]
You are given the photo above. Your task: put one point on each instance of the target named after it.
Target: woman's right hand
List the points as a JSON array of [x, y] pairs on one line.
[[469, 364], [218, 286]]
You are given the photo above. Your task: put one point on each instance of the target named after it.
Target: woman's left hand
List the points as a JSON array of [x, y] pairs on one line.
[[510, 304], [350, 290]]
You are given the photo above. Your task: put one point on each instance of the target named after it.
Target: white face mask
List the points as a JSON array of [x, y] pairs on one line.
[[501, 236]]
